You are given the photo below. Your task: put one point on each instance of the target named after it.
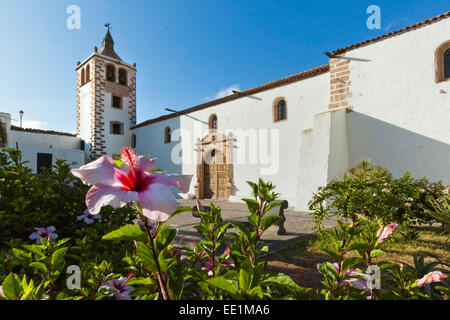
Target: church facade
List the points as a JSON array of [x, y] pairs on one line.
[[386, 99]]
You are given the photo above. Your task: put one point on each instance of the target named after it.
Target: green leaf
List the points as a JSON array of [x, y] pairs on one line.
[[39, 266], [269, 221], [376, 252], [21, 256], [359, 246], [443, 290], [12, 287], [58, 256], [27, 288], [128, 232], [334, 253], [253, 219], [328, 270], [244, 230], [223, 284], [146, 255], [36, 249], [165, 237], [350, 262], [253, 205], [281, 279], [245, 277]]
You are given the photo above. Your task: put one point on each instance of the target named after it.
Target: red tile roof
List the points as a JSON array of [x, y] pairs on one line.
[[43, 131], [271, 85], [393, 34], [299, 76]]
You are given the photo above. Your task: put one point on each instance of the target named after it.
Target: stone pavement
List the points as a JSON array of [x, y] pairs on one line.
[[298, 224]]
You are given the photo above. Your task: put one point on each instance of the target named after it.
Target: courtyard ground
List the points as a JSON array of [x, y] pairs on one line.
[[299, 260], [298, 224], [297, 253]]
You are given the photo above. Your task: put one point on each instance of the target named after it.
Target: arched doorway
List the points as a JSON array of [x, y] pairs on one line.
[[214, 167]]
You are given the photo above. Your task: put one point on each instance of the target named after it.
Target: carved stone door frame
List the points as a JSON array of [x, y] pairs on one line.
[[204, 148]]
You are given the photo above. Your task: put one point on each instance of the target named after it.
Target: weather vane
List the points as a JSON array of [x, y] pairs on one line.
[[108, 25]]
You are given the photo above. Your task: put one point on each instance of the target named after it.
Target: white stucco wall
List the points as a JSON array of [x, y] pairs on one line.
[[54, 141], [85, 93], [114, 143], [402, 115], [323, 154], [60, 146], [304, 99]]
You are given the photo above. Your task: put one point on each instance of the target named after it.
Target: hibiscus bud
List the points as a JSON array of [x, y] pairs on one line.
[[434, 276], [387, 231]]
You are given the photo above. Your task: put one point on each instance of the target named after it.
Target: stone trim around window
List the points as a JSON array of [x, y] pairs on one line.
[[440, 63], [275, 109], [112, 102], [167, 135], [111, 125]]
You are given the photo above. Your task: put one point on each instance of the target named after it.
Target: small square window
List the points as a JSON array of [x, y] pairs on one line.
[[117, 102], [117, 128]]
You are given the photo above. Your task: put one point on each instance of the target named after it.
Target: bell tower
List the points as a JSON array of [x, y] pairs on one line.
[[106, 101]]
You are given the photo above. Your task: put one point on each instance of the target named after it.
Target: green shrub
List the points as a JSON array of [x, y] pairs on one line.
[[370, 191]]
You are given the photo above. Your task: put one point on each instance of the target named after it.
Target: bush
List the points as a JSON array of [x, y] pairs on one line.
[[56, 198], [115, 258], [370, 191]]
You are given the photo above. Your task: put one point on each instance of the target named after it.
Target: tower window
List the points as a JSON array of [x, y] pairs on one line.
[[279, 110], [44, 160], [83, 76], [116, 127], [88, 73], [167, 135], [117, 102], [122, 76], [110, 73], [213, 122]]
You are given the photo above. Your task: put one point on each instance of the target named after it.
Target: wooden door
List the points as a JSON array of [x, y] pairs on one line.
[[215, 176]]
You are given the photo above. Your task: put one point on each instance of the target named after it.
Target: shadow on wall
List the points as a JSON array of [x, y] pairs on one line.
[[396, 148]]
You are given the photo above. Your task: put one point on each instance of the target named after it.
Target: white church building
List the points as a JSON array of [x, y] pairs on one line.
[[386, 99]]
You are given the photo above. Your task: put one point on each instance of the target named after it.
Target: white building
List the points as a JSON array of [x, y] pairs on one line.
[[386, 99]]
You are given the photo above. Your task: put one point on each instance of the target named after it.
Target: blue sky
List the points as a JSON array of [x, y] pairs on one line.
[[187, 52]]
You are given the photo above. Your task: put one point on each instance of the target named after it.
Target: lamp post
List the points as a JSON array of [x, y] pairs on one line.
[[21, 116]]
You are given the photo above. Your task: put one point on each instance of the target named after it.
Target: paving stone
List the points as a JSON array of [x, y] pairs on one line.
[[298, 224]]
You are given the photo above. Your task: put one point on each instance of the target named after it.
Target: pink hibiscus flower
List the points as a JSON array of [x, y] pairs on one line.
[[447, 190], [434, 276], [133, 181], [87, 217], [118, 288], [360, 283], [209, 267], [385, 232], [47, 233]]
